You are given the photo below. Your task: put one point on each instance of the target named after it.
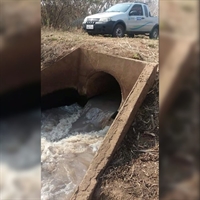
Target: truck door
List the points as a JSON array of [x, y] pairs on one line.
[[147, 21], [136, 18]]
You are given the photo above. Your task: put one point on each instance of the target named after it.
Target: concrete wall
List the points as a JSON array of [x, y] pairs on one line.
[[91, 73]]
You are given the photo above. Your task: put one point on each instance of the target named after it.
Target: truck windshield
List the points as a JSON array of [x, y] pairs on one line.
[[119, 8]]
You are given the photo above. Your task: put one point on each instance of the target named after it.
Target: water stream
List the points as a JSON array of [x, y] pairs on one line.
[[20, 172], [71, 136]]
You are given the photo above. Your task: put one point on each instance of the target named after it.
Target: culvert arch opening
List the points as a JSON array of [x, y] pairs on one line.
[[97, 84], [100, 83]]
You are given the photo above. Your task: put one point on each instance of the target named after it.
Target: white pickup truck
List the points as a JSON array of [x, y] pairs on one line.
[[123, 18]]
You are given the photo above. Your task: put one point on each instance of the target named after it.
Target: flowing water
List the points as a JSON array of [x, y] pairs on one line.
[[20, 172], [71, 136]]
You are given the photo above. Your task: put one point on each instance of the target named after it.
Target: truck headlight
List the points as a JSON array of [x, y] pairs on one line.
[[105, 19], [85, 20]]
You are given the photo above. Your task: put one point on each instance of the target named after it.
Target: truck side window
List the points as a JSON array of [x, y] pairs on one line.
[[136, 10], [146, 11]]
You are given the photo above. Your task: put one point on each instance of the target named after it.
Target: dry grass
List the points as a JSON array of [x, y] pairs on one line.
[[55, 44]]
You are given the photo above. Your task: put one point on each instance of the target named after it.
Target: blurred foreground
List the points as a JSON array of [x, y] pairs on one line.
[[20, 135], [179, 100], [20, 100]]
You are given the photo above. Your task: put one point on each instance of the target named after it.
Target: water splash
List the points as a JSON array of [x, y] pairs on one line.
[[65, 161]]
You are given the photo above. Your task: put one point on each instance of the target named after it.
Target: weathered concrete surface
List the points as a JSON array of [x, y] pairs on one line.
[[116, 133], [87, 72], [176, 58]]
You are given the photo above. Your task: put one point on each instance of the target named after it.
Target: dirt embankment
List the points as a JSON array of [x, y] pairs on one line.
[[55, 44]]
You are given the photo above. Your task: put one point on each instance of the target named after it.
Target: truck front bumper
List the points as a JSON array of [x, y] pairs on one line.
[[99, 28]]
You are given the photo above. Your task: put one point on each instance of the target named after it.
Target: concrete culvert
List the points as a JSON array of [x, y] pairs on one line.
[[98, 84], [109, 89], [74, 130]]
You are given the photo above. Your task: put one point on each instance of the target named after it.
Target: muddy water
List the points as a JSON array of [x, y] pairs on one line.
[[71, 136]]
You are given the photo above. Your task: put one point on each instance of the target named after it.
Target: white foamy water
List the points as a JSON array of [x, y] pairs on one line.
[[65, 157]]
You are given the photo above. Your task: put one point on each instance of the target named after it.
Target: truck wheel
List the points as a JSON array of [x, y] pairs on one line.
[[118, 31], [154, 33]]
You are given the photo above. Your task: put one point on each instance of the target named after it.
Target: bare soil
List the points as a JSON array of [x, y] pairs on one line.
[[134, 169], [55, 44]]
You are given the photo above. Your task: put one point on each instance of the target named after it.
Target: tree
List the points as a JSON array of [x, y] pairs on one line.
[[68, 13]]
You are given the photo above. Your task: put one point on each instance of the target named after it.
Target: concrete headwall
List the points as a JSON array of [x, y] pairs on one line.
[[91, 73]]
